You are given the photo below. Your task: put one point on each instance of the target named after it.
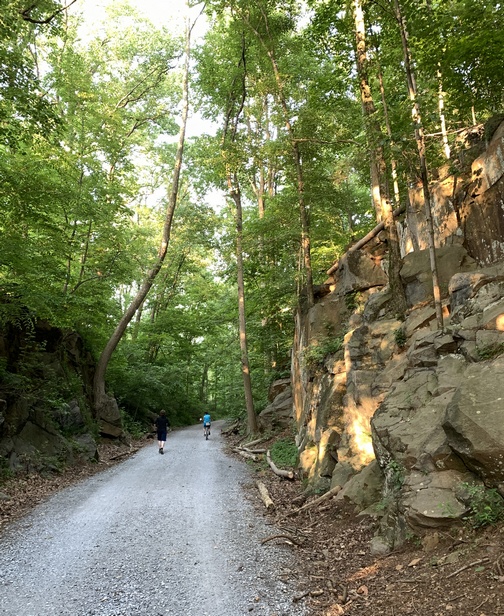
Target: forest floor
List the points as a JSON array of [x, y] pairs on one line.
[[457, 572]]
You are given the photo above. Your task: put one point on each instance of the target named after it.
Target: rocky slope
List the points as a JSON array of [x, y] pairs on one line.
[[406, 417]]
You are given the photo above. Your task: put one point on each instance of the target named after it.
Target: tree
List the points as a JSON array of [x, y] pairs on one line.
[[102, 402], [420, 139]]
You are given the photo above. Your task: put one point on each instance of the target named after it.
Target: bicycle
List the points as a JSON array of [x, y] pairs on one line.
[[206, 431]]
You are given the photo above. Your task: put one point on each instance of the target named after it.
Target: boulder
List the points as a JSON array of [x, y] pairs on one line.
[[357, 271], [278, 414], [474, 420], [416, 271], [430, 500], [86, 447], [69, 416], [365, 488], [109, 417], [277, 387], [472, 292]]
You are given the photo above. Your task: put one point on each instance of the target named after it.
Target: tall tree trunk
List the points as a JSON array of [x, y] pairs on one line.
[[420, 140], [101, 400], [378, 167], [393, 162], [235, 193], [233, 113], [442, 119]]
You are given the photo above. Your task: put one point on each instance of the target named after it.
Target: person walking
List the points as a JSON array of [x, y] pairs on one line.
[[162, 425]]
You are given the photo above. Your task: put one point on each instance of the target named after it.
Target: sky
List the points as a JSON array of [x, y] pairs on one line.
[[165, 12], [169, 13]]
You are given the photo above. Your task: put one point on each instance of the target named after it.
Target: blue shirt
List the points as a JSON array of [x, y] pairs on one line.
[[206, 419]]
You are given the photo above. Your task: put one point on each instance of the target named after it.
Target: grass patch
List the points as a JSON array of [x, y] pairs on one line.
[[284, 453]]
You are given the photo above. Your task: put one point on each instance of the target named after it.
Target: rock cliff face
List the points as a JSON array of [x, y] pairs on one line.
[[41, 367], [387, 406]]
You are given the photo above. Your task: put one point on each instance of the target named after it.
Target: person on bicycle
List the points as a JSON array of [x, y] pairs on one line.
[[207, 420]]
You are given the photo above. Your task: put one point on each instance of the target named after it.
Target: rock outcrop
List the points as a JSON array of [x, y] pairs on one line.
[[400, 412], [38, 429]]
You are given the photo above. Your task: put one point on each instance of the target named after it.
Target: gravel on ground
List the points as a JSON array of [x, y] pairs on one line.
[[170, 534]]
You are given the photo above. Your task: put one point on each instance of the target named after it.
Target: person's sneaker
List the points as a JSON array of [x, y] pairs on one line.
[[161, 450]]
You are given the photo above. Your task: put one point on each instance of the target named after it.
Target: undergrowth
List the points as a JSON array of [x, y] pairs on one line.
[[486, 505], [284, 453]]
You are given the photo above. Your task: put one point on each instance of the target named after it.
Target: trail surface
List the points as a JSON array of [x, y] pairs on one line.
[[158, 534]]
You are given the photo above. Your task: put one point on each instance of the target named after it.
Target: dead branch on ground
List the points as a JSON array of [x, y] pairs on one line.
[[278, 471], [263, 491], [315, 502], [245, 454], [282, 536], [476, 562]]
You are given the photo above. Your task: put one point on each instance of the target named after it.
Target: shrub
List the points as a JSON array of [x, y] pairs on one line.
[[487, 505], [315, 354], [400, 337]]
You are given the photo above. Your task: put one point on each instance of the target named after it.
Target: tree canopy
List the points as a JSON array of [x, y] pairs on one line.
[[88, 126]]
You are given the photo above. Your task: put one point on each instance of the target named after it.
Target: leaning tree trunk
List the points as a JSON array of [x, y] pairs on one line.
[[104, 406], [420, 140], [378, 167]]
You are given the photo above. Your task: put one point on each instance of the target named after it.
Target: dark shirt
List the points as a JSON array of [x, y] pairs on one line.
[[162, 423]]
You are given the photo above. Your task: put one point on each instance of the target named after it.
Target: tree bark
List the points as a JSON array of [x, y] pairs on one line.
[[393, 163], [420, 140], [278, 471], [100, 398], [252, 426], [378, 167], [266, 498], [231, 129]]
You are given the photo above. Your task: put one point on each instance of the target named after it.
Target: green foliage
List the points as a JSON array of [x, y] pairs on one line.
[[491, 351], [400, 337], [487, 505], [284, 453], [85, 151], [352, 300], [135, 428], [394, 473], [5, 472], [315, 354]]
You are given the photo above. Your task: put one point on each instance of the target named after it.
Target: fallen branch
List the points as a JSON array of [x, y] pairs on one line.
[[245, 454], [363, 241], [316, 502], [263, 491], [234, 426], [256, 442], [257, 451], [281, 536], [476, 562], [278, 471], [311, 593], [123, 453]]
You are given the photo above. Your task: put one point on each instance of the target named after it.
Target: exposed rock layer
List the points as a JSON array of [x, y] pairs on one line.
[[404, 411]]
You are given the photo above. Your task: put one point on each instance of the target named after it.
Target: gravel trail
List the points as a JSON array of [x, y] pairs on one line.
[[158, 535]]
